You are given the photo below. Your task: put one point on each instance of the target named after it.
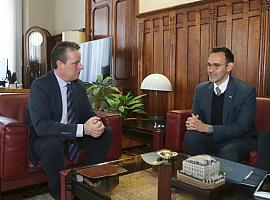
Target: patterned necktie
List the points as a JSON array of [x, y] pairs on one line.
[[218, 91], [73, 147]]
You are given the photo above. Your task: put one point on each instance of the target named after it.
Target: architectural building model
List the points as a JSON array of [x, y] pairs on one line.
[[202, 171]]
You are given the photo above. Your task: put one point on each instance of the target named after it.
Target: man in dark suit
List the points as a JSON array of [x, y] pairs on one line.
[[223, 112], [62, 119]]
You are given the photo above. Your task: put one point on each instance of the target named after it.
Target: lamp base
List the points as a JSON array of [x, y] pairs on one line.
[[156, 118], [158, 121]]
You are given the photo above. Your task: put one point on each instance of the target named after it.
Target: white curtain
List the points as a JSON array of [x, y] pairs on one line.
[[95, 55], [11, 35]]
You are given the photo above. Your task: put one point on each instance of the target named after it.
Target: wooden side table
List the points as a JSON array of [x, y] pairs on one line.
[[146, 130]]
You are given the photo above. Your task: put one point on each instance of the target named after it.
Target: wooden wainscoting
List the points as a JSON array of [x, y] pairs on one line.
[[176, 42]]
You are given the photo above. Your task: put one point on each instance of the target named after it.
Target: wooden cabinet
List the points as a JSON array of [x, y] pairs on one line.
[[37, 48], [115, 18]]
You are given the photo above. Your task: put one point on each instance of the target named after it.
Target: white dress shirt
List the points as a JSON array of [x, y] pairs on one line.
[[222, 86], [63, 89]]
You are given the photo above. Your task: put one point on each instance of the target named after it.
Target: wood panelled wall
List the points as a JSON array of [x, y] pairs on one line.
[[115, 18], [176, 42]]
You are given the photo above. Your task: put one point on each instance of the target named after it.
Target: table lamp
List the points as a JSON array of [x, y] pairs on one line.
[[156, 82], [74, 36]]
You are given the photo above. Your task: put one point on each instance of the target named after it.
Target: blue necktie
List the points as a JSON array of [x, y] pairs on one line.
[[73, 147]]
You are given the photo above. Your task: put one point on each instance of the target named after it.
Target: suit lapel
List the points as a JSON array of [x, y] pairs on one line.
[[228, 99], [55, 90]]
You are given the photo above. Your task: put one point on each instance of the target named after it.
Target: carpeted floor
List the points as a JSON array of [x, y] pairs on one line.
[[34, 192], [143, 185]]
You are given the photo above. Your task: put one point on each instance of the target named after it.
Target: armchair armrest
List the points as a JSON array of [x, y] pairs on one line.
[[175, 129], [113, 121], [14, 158]]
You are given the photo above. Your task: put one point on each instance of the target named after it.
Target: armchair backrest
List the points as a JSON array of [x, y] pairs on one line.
[[13, 105], [262, 121]]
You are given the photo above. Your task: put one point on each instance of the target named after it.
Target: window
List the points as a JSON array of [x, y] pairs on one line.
[[11, 36]]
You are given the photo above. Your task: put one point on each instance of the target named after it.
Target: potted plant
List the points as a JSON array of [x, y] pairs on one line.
[[105, 97], [99, 90]]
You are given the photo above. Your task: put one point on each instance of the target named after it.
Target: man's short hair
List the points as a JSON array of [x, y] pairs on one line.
[[59, 52], [228, 54]]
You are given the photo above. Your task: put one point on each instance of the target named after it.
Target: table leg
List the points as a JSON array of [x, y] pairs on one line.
[[164, 181], [64, 195], [0, 189]]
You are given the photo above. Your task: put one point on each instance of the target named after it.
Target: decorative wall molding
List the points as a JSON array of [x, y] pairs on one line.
[[265, 4]]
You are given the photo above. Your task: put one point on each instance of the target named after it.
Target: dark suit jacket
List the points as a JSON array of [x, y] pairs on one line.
[[239, 109], [45, 109]]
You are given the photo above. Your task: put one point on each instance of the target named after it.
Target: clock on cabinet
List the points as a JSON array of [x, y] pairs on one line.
[[37, 48]]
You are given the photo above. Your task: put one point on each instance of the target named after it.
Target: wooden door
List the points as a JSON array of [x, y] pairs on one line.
[[116, 18]]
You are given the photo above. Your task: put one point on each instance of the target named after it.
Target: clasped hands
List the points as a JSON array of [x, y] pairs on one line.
[[193, 123], [94, 127]]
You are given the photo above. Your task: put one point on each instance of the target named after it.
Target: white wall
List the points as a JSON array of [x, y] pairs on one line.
[[54, 15], [69, 15], [38, 13]]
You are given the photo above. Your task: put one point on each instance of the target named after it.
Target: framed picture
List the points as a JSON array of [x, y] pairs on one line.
[[151, 5]]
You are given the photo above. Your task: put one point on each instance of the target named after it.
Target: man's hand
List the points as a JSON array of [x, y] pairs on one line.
[[94, 127], [193, 123]]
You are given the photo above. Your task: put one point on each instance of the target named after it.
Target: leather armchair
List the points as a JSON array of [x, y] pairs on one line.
[[15, 168], [175, 126]]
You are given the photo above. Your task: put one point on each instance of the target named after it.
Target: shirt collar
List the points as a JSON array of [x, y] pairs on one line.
[[222, 86], [60, 81]]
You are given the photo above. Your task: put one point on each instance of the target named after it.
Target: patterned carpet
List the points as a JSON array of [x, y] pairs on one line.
[[143, 185], [136, 186], [37, 192]]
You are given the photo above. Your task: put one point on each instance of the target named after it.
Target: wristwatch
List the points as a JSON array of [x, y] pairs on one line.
[[210, 130]]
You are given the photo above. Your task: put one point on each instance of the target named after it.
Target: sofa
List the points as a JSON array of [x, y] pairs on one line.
[[16, 170], [175, 126]]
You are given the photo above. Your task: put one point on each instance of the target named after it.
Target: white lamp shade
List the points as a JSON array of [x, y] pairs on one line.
[[157, 82], [74, 36]]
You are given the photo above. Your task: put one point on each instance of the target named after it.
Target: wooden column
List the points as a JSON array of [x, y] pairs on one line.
[[172, 28]]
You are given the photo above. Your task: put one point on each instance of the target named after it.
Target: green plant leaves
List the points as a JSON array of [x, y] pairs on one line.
[[105, 97], [126, 104], [137, 105], [121, 109]]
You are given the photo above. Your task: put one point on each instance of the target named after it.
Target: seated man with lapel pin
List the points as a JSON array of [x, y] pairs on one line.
[[223, 112]]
